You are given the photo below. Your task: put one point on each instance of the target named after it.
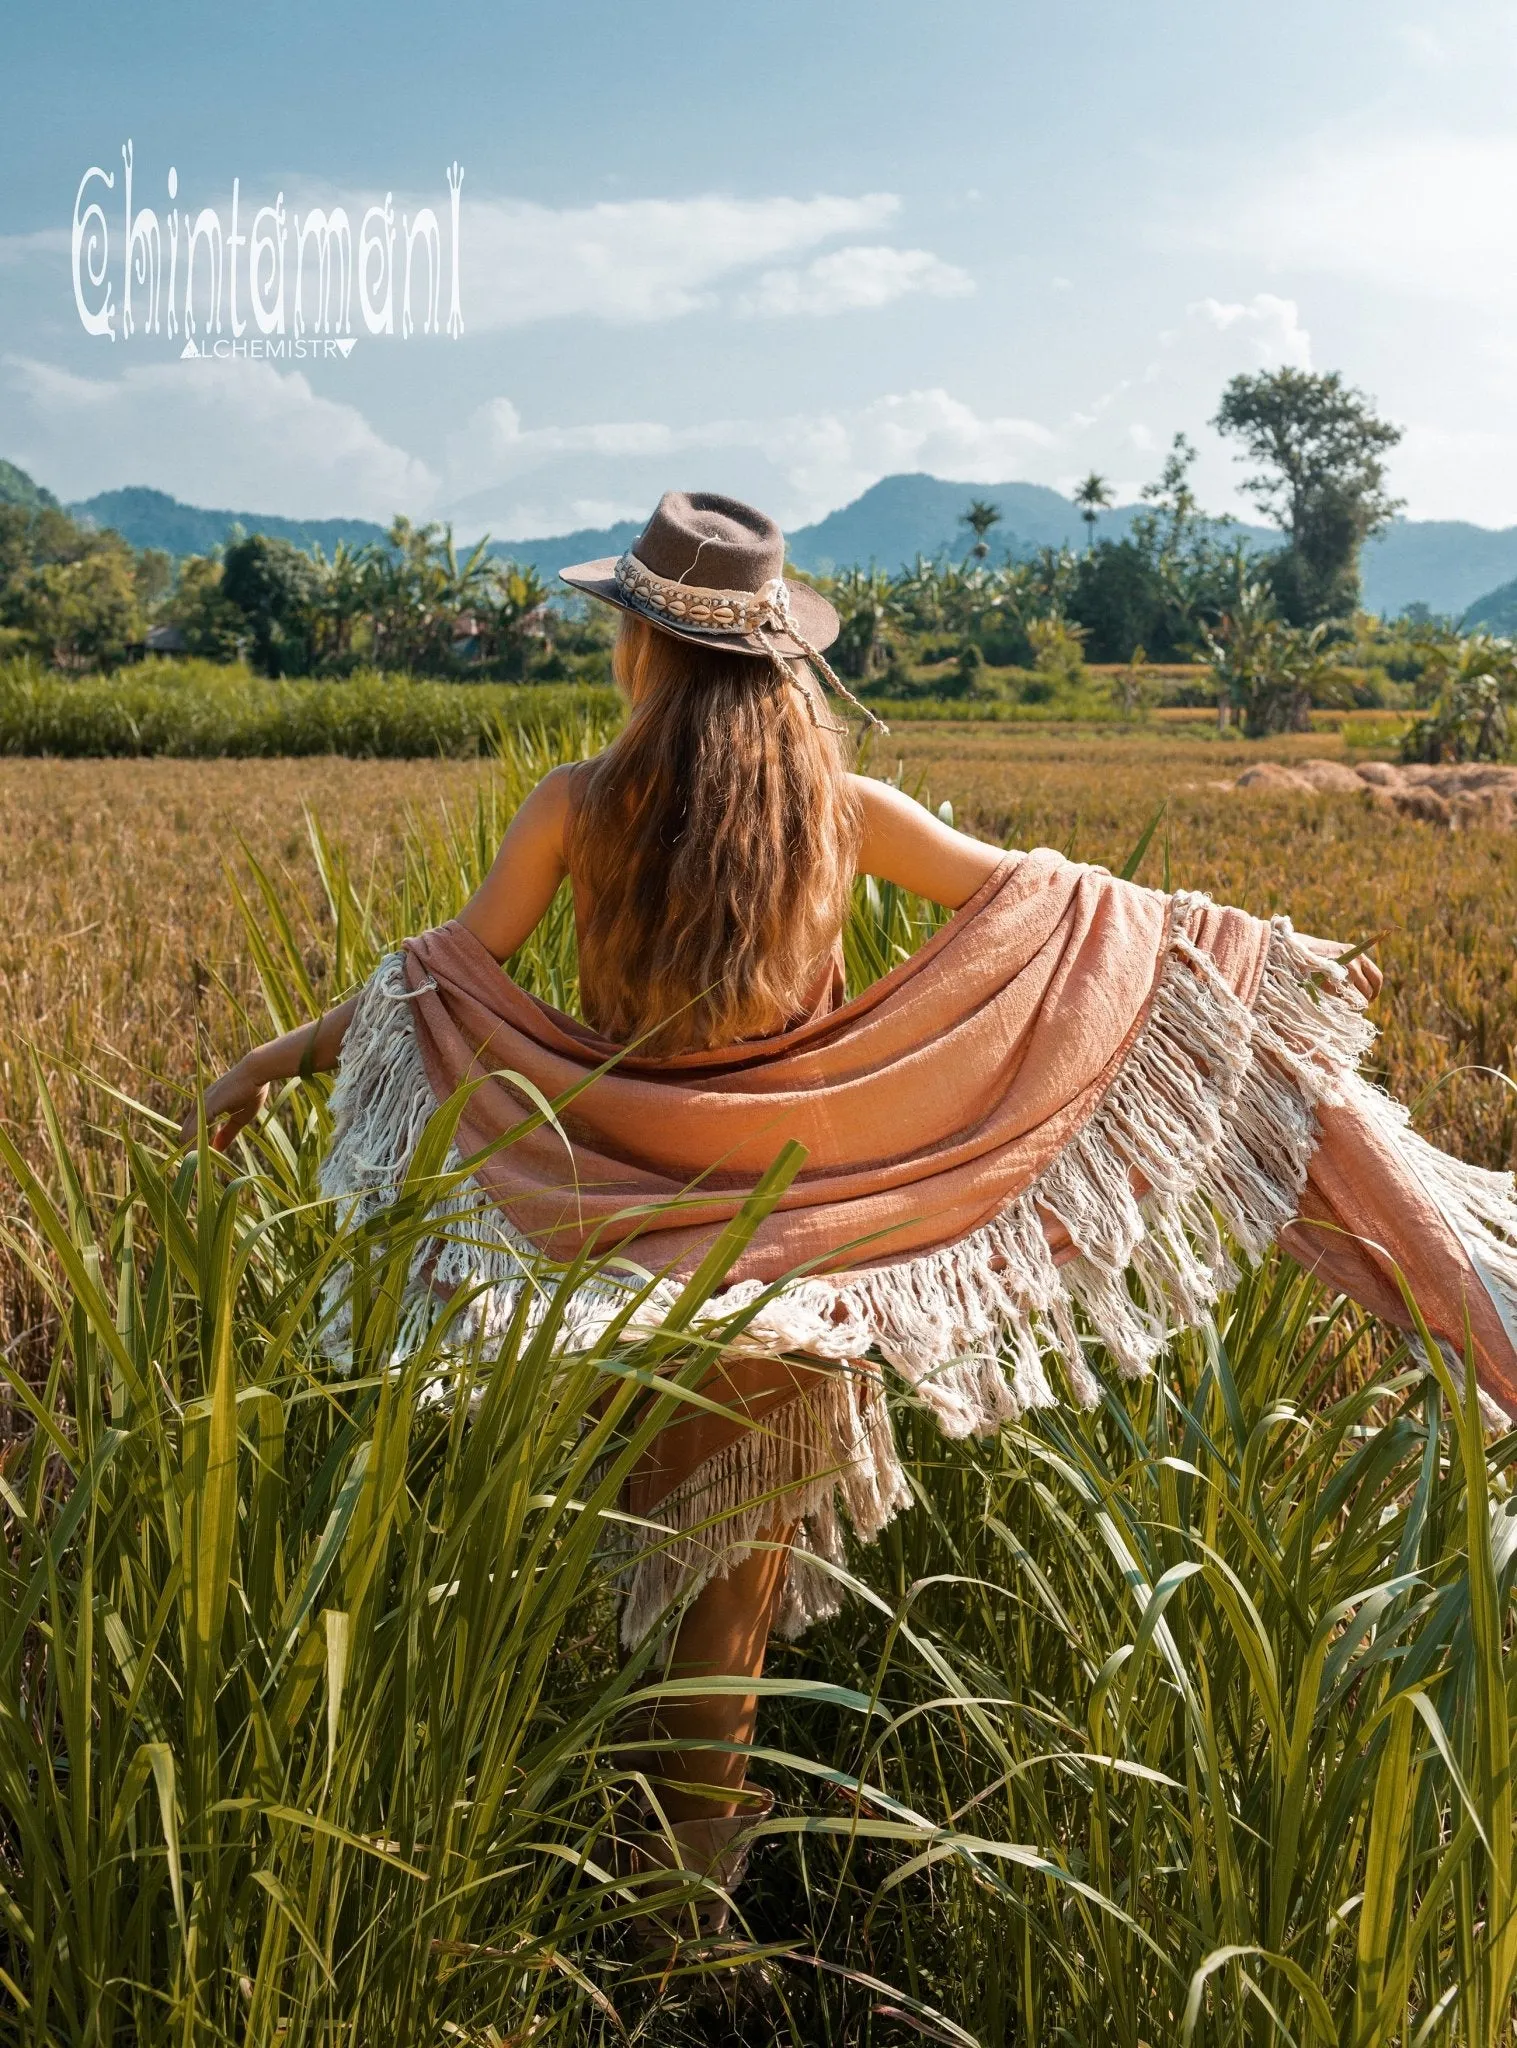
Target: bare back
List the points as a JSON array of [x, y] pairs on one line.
[[900, 842]]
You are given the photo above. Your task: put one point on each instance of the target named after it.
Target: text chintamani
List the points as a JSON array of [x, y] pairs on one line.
[[186, 271]]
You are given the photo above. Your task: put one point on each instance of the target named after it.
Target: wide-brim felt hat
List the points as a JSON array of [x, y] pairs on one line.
[[710, 569]]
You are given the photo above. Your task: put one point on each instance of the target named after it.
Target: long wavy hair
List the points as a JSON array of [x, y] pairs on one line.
[[713, 845]]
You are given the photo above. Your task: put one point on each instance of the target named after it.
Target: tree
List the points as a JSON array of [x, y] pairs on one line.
[[980, 518], [153, 574], [1171, 524], [867, 607], [1124, 599], [1244, 651], [275, 587], [516, 593], [1320, 446], [1058, 647], [1473, 712], [69, 593], [1131, 688], [1269, 673], [85, 613], [341, 603], [213, 627], [1093, 498]]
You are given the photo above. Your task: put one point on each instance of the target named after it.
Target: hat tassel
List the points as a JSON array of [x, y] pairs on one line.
[[779, 603]]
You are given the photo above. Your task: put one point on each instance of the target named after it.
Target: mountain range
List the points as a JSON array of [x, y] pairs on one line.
[[1455, 568]]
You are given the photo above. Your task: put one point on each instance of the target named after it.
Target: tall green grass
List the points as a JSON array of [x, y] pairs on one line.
[[199, 710], [1188, 1719]]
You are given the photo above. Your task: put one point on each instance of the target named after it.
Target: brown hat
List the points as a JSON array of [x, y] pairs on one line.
[[711, 569]]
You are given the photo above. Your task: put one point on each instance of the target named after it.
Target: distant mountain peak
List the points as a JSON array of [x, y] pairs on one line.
[[17, 488], [150, 518], [1449, 565]]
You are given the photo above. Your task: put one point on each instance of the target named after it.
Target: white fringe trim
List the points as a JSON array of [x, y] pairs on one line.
[[826, 1455], [1213, 1111]]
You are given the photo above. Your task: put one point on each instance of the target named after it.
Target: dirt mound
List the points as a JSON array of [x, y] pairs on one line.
[[1456, 797]]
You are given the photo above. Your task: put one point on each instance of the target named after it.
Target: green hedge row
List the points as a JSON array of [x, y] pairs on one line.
[[199, 710]]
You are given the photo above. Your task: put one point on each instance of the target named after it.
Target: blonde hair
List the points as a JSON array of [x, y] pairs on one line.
[[715, 841]]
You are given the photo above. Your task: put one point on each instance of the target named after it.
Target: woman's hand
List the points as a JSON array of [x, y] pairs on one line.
[[230, 1105], [243, 1092], [1363, 973]]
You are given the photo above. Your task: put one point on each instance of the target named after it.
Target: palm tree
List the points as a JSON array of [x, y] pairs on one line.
[[1471, 719], [516, 595], [1093, 498], [343, 599], [980, 518], [868, 606]]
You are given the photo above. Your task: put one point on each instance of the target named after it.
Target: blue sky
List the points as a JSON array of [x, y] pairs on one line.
[[780, 250]]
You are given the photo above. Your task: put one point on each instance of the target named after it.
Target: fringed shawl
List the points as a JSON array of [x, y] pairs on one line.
[[1042, 1132]]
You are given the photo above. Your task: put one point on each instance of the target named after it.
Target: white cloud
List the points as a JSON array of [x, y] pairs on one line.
[[520, 480], [40, 242], [1427, 214], [245, 435], [1411, 232], [1270, 327], [636, 260], [233, 434], [853, 279], [248, 437], [831, 457]]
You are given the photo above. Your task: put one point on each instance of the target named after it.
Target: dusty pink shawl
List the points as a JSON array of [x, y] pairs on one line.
[[1026, 1135], [924, 1105]]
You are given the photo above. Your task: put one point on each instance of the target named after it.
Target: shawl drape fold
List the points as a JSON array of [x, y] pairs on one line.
[[1039, 1134]]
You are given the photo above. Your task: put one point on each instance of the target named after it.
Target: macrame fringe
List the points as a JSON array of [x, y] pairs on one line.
[[825, 1455], [1203, 1140]]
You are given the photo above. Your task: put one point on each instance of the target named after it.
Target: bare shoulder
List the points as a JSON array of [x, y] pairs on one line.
[[886, 808], [557, 786], [878, 799], [901, 841], [547, 806]]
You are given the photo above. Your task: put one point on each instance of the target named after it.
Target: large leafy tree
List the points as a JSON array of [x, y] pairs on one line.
[[213, 627], [1320, 449], [69, 594], [1123, 599], [276, 589], [84, 613]]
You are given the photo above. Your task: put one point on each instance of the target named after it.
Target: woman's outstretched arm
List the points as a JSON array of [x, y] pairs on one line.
[[501, 913], [903, 842]]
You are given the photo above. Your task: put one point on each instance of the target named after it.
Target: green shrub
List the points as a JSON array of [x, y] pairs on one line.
[[199, 709]]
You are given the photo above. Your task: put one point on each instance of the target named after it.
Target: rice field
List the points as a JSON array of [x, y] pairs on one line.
[[1188, 1719]]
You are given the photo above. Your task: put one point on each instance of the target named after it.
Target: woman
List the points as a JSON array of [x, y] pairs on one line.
[[1024, 1137]]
